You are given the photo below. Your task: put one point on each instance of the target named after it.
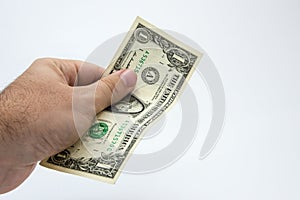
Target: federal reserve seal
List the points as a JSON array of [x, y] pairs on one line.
[[150, 75]]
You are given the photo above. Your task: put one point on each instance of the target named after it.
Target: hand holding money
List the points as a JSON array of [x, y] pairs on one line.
[[163, 66], [36, 112]]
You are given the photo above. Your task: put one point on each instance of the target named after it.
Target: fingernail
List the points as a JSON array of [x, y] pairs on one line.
[[129, 77]]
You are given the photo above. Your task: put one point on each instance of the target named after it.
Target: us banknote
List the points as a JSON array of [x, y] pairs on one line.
[[163, 66]]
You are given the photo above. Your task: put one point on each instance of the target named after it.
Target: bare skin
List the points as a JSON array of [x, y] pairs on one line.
[[38, 117]]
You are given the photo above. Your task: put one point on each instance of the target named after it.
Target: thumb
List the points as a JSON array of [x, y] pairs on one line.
[[113, 88]]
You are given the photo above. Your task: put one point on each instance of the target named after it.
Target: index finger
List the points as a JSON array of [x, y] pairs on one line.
[[79, 73]]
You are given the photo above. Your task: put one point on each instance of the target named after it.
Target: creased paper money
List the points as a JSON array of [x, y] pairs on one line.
[[163, 66]]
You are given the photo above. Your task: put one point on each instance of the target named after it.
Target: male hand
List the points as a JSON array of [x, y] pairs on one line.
[[48, 108]]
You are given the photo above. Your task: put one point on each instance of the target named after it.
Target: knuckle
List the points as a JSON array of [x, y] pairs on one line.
[[46, 62], [43, 60]]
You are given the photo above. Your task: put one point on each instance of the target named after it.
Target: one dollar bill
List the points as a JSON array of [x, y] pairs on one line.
[[163, 66]]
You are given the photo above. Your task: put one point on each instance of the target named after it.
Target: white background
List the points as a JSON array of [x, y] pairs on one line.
[[255, 46]]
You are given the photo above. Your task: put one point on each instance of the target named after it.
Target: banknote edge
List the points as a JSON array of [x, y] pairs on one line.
[[50, 166]]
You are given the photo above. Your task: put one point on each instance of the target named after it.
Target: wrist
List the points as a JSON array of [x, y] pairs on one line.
[[12, 171], [4, 134], [11, 134], [17, 117]]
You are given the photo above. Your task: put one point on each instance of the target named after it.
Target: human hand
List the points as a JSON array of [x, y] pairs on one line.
[[40, 111]]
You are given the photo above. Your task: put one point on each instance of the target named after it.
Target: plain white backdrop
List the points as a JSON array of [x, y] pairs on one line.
[[254, 44]]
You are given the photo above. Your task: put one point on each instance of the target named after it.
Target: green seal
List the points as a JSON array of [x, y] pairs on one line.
[[98, 130]]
